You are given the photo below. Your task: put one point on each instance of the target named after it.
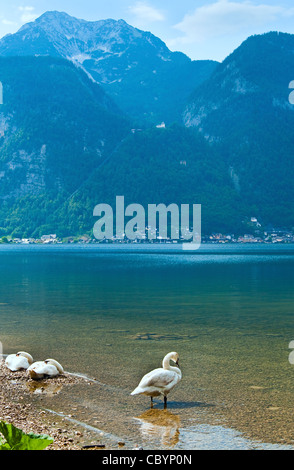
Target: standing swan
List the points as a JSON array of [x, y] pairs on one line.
[[42, 369], [160, 381], [18, 361]]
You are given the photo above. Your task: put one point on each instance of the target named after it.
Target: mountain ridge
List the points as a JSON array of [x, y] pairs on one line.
[[145, 79], [61, 155]]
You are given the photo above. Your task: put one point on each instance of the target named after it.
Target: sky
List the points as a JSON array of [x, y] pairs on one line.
[[209, 29]]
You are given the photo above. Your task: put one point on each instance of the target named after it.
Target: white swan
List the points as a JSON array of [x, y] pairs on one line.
[[160, 381], [18, 361], [43, 369]]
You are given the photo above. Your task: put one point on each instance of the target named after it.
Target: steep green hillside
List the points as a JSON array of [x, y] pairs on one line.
[[244, 111], [157, 166], [56, 126]]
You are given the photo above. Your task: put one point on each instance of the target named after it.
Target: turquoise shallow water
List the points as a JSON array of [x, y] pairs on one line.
[[112, 313]]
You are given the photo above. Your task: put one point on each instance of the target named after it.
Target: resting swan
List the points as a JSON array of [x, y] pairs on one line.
[[160, 381], [42, 369], [18, 361]]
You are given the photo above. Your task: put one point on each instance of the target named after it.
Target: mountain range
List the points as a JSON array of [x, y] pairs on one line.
[[146, 80], [78, 127]]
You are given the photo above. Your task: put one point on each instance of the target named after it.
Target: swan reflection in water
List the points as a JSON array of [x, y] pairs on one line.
[[40, 388], [161, 425]]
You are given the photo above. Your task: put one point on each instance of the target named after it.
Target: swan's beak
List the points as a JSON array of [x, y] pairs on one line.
[[177, 363]]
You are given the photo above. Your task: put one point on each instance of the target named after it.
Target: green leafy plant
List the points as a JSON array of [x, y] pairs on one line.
[[15, 439]]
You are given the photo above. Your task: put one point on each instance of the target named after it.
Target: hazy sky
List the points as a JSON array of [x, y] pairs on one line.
[[208, 29]]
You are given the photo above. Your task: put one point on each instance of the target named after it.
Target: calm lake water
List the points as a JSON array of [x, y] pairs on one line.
[[112, 313]]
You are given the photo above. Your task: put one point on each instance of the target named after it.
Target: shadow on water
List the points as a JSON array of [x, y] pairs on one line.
[[185, 404]]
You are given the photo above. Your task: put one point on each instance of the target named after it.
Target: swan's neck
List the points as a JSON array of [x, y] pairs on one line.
[[166, 365], [166, 362]]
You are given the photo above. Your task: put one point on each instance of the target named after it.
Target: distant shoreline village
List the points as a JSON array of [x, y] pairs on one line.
[[269, 237], [258, 234]]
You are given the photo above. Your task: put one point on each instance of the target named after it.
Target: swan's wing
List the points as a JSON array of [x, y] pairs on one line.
[[14, 362], [158, 378], [51, 370], [23, 363], [36, 365], [10, 362], [10, 358], [45, 369], [41, 369]]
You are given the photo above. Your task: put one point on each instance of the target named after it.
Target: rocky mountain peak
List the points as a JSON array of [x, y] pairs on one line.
[[124, 60]]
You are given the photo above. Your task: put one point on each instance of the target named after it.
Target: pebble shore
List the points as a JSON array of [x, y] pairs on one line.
[[17, 408]]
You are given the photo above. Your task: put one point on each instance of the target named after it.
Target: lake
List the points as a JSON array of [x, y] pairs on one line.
[[112, 312]]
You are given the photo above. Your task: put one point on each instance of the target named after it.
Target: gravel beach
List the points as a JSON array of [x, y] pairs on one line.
[[18, 408]]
